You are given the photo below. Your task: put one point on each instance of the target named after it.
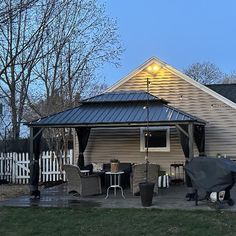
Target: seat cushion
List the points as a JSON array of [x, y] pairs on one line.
[[97, 167]]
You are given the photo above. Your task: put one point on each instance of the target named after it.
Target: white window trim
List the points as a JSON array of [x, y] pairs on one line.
[[151, 149]]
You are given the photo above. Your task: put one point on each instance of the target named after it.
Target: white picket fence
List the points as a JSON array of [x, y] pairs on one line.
[[14, 167]]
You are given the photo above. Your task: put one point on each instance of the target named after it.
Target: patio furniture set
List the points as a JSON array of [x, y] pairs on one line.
[[91, 182]]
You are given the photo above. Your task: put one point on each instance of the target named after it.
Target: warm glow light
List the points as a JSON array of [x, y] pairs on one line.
[[153, 68]]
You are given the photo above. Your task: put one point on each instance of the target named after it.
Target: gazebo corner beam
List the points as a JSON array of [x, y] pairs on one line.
[[191, 140], [182, 130], [32, 139]]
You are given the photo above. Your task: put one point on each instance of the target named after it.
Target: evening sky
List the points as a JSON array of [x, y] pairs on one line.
[[179, 32]]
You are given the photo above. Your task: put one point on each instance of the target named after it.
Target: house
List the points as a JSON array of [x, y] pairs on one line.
[[114, 124], [209, 103]]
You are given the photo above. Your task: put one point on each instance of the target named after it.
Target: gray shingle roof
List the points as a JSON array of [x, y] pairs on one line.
[[226, 90], [116, 112]]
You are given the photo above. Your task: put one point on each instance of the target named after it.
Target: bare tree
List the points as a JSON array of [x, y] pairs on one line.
[[84, 38], [10, 10], [7, 12], [49, 52], [21, 38], [204, 73], [230, 78]]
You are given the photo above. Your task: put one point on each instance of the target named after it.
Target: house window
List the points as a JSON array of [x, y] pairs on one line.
[[158, 139]]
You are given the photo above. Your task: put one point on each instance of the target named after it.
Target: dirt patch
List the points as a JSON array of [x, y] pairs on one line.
[[8, 191]]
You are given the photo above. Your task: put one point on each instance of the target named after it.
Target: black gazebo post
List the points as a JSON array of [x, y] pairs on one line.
[[188, 134], [191, 192], [35, 141]]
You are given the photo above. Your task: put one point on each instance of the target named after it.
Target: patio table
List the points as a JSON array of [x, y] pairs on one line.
[[115, 182]]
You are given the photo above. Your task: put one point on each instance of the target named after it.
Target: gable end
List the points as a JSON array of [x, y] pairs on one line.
[[175, 72]]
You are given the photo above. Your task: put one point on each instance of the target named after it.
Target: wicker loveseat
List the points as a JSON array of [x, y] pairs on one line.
[[84, 185], [138, 176]]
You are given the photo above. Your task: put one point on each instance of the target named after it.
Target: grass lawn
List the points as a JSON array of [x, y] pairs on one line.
[[92, 221]]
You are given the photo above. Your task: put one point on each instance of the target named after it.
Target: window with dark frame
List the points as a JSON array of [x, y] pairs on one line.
[[158, 139]]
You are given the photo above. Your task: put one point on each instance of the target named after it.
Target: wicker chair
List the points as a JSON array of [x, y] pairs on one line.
[[84, 185], [138, 176]]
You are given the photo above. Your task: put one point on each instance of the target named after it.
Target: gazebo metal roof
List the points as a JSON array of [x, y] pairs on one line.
[[124, 96], [118, 109]]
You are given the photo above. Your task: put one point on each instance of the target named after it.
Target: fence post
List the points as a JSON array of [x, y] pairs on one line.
[[14, 160], [27, 166]]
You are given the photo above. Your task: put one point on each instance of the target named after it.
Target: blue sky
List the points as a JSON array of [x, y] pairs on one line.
[[180, 32]]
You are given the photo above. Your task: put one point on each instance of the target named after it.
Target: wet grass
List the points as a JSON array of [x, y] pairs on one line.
[[94, 221]]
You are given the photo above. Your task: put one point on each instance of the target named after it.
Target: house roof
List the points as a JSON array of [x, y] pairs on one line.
[[117, 113], [175, 72], [226, 90], [127, 96]]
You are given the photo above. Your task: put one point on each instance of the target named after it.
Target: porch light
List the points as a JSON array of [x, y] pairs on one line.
[[153, 69]]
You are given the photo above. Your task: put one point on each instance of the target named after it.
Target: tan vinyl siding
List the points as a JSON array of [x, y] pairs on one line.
[[220, 118], [124, 144]]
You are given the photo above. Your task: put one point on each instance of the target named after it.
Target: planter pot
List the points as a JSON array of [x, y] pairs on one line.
[[146, 193], [114, 167]]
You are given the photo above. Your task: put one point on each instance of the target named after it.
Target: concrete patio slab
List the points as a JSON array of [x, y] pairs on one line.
[[57, 196]]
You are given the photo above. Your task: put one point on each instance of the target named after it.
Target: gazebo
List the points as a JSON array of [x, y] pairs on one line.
[[116, 109]]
